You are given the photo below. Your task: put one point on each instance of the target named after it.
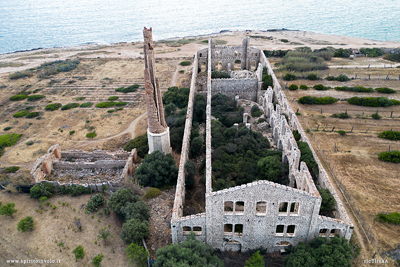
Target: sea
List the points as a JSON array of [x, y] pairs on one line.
[[33, 24]]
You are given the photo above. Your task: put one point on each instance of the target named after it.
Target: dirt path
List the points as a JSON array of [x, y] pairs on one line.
[[130, 129], [174, 79]]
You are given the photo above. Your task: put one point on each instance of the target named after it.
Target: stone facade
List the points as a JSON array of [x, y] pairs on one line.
[[259, 214], [158, 131]]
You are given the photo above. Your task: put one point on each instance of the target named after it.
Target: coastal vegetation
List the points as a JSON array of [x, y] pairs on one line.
[[340, 78], [129, 89], [312, 100], [52, 107], [385, 90], [373, 101]]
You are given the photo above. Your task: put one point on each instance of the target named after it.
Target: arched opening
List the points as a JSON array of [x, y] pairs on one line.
[[197, 230], [218, 66], [261, 208], [280, 146], [129, 171], [253, 66], [323, 232], [233, 246], [45, 168], [238, 65], [334, 232], [57, 154], [228, 207], [239, 207], [228, 229], [186, 230]]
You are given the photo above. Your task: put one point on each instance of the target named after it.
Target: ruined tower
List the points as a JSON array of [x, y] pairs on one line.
[[157, 129]]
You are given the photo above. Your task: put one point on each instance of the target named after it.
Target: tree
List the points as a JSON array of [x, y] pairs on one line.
[[138, 210], [25, 224], [97, 260], [79, 253], [42, 189], [157, 170], [137, 254], [134, 230], [8, 209], [328, 201], [270, 168], [119, 199], [140, 143], [190, 171], [256, 260], [95, 203], [195, 146], [191, 251]]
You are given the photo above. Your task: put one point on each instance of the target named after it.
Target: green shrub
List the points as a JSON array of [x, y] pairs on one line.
[[303, 87], [385, 90], [7, 140], [391, 135], [392, 57], [320, 87], [267, 79], [42, 189], [129, 89], [354, 89], [255, 111], [311, 100], [140, 143], [69, 106], [220, 75], [86, 105], [35, 97], [20, 74], [179, 97], [80, 98], [157, 170], [289, 77], [20, 114], [91, 135], [296, 135], [25, 224], [29, 143], [256, 260], [109, 104], [340, 78], [97, 260], [373, 101], [341, 116], [95, 203], [111, 111], [71, 132], [284, 40], [18, 97], [312, 77], [293, 87], [120, 198], [303, 60], [342, 53], [11, 169], [51, 68], [112, 98], [79, 253], [275, 53], [185, 63], [341, 132], [196, 146], [7, 128], [52, 107], [390, 156], [372, 52], [137, 254], [8, 209], [32, 115], [73, 190], [134, 230], [152, 193], [392, 218], [308, 158], [376, 116]]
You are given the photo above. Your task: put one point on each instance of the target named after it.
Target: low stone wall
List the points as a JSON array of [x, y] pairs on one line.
[[80, 154], [100, 164]]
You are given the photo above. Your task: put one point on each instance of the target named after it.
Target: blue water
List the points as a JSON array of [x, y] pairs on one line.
[[28, 24]]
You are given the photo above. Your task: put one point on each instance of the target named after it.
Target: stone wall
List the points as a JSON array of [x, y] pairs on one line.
[[44, 165], [245, 88]]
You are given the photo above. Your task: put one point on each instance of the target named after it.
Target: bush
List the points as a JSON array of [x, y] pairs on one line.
[[185, 63], [20, 114], [32, 115], [267, 79], [25, 224], [196, 146], [385, 90], [112, 98], [392, 57], [140, 143], [97, 260], [20, 74], [392, 218], [371, 52], [79, 253], [255, 111], [43, 189], [71, 132], [120, 198], [373, 101], [8, 209], [109, 104], [269, 167], [7, 128], [35, 97], [95, 203], [137, 255], [157, 170], [308, 158], [303, 60], [220, 75], [29, 143], [284, 40], [321, 251], [289, 77], [152, 193], [354, 89], [18, 97], [179, 97], [391, 135], [341, 132], [256, 260], [293, 87], [11, 169], [320, 87], [190, 172], [7, 140], [296, 135], [341, 116], [303, 87], [390, 156], [275, 53], [73, 190], [86, 105], [312, 77], [376, 116], [69, 106], [91, 135], [136, 210], [342, 53], [52, 107], [340, 78], [191, 250], [129, 89], [134, 230], [311, 100]]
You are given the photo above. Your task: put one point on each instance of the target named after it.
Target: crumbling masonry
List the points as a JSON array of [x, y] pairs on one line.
[[262, 213]]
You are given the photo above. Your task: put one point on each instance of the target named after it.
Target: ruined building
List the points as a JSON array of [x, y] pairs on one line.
[[262, 213], [157, 130]]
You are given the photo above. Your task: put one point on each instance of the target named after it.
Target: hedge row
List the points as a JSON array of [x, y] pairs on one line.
[[129, 89], [110, 104], [312, 100], [391, 135], [390, 156], [373, 101], [354, 89]]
